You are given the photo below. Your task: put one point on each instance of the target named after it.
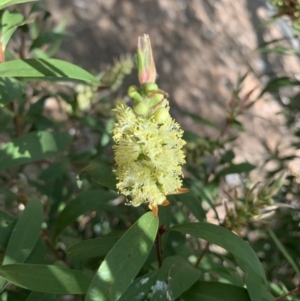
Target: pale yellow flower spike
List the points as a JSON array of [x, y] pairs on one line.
[[148, 144]]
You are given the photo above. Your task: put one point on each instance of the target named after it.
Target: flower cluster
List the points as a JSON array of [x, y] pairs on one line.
[[148, 148], [148, 155]]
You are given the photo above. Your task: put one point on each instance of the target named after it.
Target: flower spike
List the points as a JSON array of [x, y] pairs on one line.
[[148, 142]]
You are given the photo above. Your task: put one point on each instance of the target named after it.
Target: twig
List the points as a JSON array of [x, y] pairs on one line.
[[17, 123], [295, 291], [225, 129], [161, 230], [50, 245], [22, 50], [13, 105], [202, 254]]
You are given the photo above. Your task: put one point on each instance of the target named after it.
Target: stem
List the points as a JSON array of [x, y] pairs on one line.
[[13, 105], [158, 250], [23, 46], [17, 123], [50, 245], [295, 291], [22, 50], [201, 255], [225, 128], [161, 230]]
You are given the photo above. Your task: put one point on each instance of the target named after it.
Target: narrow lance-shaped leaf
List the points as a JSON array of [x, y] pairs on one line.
[[37, 296], [201, 120], [46, 278], [285, 253], [256, 288], [10, 22], [24, 235], [6, 227], [87, 201], [45, 69], [174, 278], [10, 90], [92, 247], [216, 291], [32, 147], [5, 3], [247, 259], [101, 173], [48, 38], [236, 168], [193, 204], [275, 84], [226, 239], [6, 118], [124, 261], [139, 288]]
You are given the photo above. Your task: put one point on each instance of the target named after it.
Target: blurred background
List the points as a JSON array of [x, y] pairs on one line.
[[201, 48]]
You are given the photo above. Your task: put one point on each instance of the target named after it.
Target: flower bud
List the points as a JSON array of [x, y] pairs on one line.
[[161, 115], [145, 62], [150, 87], [141, 108], [158, 97], [134, 93]]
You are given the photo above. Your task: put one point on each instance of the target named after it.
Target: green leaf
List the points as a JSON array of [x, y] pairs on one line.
[[37, 296], [193, 204], [24, 235], [6, 117], [216, 291], [283, 250], [256, 289], [7, 223], [55, 170], [190, 136], [48, 38], [39, 253], [274, 84], [279, 50], [87, 201], [32, 147], [201, 120], [92, 247], [9, 23], [227, 157], [124, 261], [175, 277], [236, 168], [101, 173], [139, 288], [224, 238], [45, 69], [237, 125], [8, 197], [5, 3], [46, 278], [10, 90]]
